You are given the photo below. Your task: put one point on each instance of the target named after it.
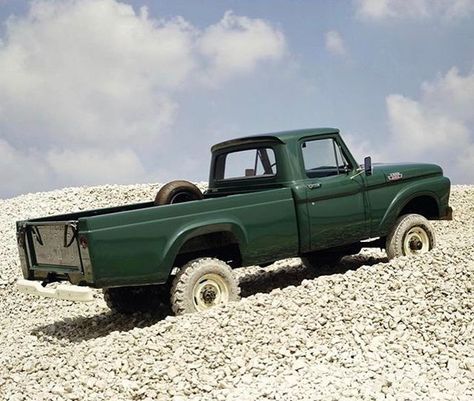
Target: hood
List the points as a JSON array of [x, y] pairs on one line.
[[403, 171]]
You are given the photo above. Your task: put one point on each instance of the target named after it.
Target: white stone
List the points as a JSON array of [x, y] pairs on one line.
[[390, 330]]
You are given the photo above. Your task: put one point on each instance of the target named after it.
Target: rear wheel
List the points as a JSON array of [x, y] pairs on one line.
[[412, 234], [203, 284], [128, 300], [177, 192]]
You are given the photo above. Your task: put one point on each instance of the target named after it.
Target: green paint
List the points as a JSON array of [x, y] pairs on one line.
[[271, 217]]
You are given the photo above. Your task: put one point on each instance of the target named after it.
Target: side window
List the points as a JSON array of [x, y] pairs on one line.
[[323, 158], [246, 163]]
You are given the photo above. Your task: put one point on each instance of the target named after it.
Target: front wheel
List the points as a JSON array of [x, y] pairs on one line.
[[203, 284], [412, 234]]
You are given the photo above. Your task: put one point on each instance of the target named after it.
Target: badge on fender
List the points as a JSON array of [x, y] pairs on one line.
[[395, 176]]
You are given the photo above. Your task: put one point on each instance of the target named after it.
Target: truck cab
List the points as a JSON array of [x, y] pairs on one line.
[[337, 200]]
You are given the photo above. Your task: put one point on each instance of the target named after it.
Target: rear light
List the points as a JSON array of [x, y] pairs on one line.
[[83, 242]]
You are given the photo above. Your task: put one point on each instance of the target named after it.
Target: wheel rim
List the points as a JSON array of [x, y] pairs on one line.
[[211, 290], [416, 241], [181, 197]]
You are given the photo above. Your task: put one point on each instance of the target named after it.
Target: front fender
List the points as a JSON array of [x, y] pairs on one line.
[[427, 187]]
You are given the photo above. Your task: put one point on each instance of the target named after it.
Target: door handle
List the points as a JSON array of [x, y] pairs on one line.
[[314, 186]]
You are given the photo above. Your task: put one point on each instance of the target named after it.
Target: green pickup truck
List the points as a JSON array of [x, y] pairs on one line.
[[273, 196]]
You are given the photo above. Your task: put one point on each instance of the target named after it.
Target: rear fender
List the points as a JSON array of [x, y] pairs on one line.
[[176, 242]]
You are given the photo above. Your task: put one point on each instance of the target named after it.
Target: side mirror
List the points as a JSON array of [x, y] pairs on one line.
[[368, 165]]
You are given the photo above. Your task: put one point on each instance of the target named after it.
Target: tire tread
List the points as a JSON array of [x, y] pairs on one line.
[[182, 283], [394, 243]]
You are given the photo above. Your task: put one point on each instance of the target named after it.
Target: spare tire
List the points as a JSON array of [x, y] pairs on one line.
[[177, 192]]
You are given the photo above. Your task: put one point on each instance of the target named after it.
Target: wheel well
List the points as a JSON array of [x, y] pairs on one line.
[[424, 205], [222, 245]]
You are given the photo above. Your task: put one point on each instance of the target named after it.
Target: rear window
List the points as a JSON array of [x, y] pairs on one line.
[[248, 163]]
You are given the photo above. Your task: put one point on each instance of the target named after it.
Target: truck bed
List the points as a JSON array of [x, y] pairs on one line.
[[138, 243]]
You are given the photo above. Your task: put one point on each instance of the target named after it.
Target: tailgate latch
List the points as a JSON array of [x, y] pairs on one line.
[[73, 237]]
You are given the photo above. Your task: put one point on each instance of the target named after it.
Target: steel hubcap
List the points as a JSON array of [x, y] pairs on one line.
[[416, 241], [416, 245], [208, 294], [209, 291]]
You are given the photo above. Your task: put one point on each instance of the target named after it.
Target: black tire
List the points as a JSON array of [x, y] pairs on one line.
[[177, 192], [320, 259], [411, 234], [202, 284], [128, 300]]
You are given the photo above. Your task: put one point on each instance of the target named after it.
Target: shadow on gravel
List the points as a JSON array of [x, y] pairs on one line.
[[263, 281], [267, 280], [83, 328]]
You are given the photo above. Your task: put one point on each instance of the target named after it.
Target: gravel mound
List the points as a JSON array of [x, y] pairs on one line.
[[368, 330]]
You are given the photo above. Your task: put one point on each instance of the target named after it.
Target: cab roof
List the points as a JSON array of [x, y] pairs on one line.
[[280, 137]]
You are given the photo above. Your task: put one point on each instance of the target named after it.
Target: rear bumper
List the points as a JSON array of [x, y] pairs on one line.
[[66, 292]]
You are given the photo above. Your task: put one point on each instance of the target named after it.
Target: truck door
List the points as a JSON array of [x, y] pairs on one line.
[[335, 202]]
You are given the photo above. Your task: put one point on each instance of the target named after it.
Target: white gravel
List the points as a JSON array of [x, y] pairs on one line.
[[402, 330]]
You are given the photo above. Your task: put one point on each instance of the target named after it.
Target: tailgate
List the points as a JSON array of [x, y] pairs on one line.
[[51, 246]]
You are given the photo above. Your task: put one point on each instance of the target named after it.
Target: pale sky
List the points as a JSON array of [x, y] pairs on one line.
[[101, 91]]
